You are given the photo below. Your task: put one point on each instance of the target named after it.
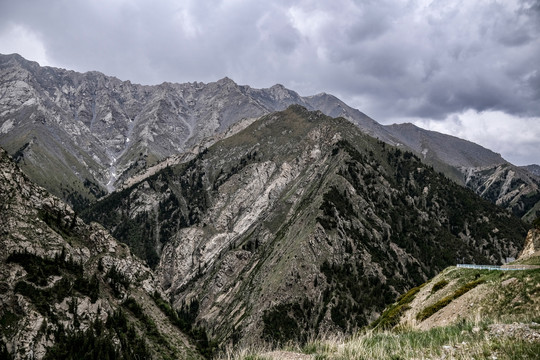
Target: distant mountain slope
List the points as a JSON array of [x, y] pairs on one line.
[[91, 128], [448, 149], [78, 133], [508, 186], [300, 224], [82, 135], [334, 107], [476, 167], [70, 290], [533, 169]]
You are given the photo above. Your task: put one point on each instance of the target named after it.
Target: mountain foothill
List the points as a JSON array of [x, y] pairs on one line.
[[177, 220]]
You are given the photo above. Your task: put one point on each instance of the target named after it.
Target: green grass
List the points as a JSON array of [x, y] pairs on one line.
[[459, 340], [439, 285], [390, 317], [506, 295], [432, 309], [466, 340], [535, 260]]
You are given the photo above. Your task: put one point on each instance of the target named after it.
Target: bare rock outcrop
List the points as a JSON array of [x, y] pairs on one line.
[[301, 224], [532, 245], [60, 277]]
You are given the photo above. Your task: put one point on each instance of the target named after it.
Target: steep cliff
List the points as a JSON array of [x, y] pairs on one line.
[[301, 223], [84, 135], [70, 289], [508, 186], [531, 247]]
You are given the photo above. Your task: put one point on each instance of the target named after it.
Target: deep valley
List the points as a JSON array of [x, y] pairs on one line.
[[180, 221]]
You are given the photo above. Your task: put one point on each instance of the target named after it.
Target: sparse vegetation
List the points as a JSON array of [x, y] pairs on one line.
[[150, 327], [536, 223], [461, 341], [114, 339], [439, 285], [430, 310], [390, 317], [533, 260], [184, 319], [281, 324], [39, 271], [118, 281], [466, 340]]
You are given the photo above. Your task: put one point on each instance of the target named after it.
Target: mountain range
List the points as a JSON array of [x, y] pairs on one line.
[[214, 215], [301, 224], [83, 135], [297, 225]]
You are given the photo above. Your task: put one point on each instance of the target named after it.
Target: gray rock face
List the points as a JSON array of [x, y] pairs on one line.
[[55, 273], [83, 135], [301, 224], [93, 128], [532, 244], [533, 169], [508, 186]]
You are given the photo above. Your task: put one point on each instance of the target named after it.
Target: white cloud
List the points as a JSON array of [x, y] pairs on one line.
[[22, 40], [516, 138]]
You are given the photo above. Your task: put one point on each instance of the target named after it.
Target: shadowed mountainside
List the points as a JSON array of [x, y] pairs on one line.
[[299, 224], [83, 135], [70, 290]]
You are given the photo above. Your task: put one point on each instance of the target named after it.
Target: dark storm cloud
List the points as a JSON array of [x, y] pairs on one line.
[[451, 59], [393, 59]]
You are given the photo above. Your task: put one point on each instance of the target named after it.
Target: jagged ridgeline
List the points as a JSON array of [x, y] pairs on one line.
[[83, 135], [301, 224]]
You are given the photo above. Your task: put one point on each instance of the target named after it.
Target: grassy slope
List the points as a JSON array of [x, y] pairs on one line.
[[63, 175], [499, 318]]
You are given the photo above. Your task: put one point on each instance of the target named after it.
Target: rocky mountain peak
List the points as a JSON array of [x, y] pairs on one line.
[[226, 81], [283, 226], [82, 135], [16, 59]]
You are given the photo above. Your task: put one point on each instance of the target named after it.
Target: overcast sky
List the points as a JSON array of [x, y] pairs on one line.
[[469, 68]]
